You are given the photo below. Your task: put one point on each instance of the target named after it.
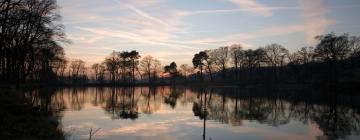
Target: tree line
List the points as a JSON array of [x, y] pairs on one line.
[[334, 57], [30, 37]]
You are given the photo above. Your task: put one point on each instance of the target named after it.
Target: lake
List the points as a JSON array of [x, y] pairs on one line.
[[194, 113]]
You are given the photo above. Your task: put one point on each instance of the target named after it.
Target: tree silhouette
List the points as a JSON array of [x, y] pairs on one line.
[[77, 70], [172, 71], [237, 57], [149, 66], [198, 62], [29, 29], [220, 57], [332, 47]]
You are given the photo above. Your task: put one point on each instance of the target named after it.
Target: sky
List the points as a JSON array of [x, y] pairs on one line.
[[174, 30]]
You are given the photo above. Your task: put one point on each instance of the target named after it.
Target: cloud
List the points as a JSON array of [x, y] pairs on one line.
[[167, 56], [85, 38], [143, 2], [313, 8], [218, 11], [139, 38], [311, 28], [313, 12], [147, 16], [134, 23], [147, 128], [317, 27], [314, 23], [253, 7], [94, 28]]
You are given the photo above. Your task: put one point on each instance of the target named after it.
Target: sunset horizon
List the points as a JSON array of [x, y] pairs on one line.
[[179, 69], [176, 30]]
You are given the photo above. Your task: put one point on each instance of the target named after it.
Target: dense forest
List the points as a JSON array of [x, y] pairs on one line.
[[31, 52]]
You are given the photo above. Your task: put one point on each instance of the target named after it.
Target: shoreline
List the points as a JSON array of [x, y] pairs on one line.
[[345, 86]]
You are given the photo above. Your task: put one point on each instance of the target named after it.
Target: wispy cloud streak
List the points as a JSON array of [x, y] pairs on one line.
[[146, 15], [137, 38], [219, 11], [253, 7]]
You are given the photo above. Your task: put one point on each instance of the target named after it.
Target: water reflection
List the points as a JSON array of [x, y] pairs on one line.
[[336, 116]]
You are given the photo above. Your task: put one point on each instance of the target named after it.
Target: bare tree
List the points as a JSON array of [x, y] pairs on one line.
[[156, 68], [295, 58], [209, 63], [146, 65], [112, 65], [77, 67], [306, 54], [185, 70], [354, 46], [102, 70], [221, 58], [275, 54], [237, 57], [63, 67], [253, 58], [96, 69], [332, 47]]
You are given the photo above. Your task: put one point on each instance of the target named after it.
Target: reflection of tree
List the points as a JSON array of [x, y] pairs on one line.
[[199, 107], [31, 114], [129, 108], [274, 107], [111, 104], [122, 105], [148, 109], [77, 98], [336, 116], [46, 100], [237, 116], [98, 97], [336, 121], [175, 93], [151, 100]]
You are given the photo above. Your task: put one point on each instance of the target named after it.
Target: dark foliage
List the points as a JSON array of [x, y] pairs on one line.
[[29, 38]]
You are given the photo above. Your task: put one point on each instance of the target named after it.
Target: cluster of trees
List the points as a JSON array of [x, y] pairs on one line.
[[333, 57], [271, 63], [127, 67], [30, 51], [274, 62], [29, 36], [124, 66]]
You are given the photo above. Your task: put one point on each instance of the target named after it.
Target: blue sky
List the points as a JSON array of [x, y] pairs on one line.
[[174, 30]]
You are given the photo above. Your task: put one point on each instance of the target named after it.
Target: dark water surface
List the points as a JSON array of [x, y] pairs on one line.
[[179, 113]]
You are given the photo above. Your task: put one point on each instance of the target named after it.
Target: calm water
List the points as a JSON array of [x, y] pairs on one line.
[[169, 113]]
